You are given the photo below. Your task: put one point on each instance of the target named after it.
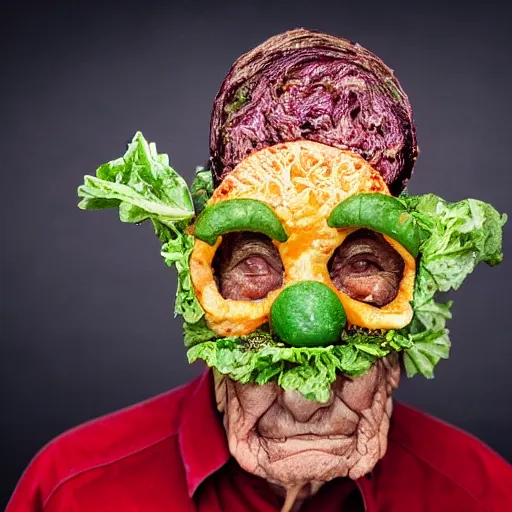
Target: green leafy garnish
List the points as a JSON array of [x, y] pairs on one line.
[[258, 358], [456, 237], [201, 188], [197, 332], [176, 249], [142, 184], [144, 187]]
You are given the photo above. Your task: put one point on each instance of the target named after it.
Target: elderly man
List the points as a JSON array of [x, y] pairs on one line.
[[307, 280]]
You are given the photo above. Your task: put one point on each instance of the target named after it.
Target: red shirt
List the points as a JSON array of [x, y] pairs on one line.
[[170, 454]]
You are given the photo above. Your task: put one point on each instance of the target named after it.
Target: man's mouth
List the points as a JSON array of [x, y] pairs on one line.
[[281, 448], [307, 437]]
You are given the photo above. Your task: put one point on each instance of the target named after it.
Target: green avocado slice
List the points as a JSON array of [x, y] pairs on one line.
[[238, 215], [381, 213]]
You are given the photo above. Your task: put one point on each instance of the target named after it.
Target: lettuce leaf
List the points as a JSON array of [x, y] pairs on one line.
[[176, 249], [197, 332], [201, 188], [456, 237], [144, 187], [141, 184], [259, 358]]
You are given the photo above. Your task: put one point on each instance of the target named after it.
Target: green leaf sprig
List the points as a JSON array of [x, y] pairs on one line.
[[456, 238], [144, 186]]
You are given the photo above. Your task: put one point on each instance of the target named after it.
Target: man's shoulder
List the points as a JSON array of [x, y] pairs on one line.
[[121, 433], [108, 443], [453, 458]]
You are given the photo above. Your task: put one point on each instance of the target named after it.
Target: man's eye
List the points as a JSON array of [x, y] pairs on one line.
[[254, 266], [367, 268], [247, 266], [362, 266]]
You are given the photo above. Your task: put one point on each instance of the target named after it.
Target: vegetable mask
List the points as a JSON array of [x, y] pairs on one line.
[[308, 192], [296, 194]]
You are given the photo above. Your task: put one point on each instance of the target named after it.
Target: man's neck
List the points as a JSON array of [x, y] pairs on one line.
[[295, 496]]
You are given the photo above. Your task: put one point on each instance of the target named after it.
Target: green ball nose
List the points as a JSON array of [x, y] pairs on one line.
[[308, 314]]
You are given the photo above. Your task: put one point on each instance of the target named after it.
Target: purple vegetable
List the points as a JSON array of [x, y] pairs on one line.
[[308, 85]]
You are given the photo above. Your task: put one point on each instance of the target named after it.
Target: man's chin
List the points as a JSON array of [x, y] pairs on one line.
[[307, 466], [297, 461], [321, 448]]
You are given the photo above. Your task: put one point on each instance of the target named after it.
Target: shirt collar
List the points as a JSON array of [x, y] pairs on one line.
[[202, 438]]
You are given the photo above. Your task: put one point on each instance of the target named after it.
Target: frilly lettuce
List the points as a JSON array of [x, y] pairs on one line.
[[144, 187], [259, 358], [141, 184], [456, 237]]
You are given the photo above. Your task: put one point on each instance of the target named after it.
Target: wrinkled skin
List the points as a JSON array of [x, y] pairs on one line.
[[367, 268], [294, 443], [248, 266]]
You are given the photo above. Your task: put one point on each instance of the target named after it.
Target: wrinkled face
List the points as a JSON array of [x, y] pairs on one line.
[[298, 443], [280, 435], [243, 268]]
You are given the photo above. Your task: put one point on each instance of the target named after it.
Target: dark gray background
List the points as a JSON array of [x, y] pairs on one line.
[[87, 324]]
